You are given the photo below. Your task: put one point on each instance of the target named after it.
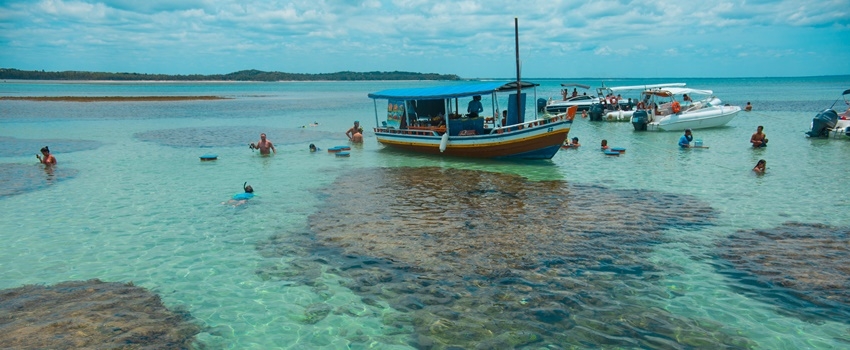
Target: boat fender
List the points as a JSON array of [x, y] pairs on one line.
[[444, 142]]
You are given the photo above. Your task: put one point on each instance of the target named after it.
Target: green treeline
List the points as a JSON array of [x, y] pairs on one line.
[[245, 75]]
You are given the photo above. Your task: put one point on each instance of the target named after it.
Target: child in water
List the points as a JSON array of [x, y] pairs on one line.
[[604, 145], [761, 166]]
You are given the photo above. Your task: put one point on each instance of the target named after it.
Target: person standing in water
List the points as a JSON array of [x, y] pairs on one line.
[[685, 140], [46, 158], [263, 145], [759, 139], [355, 134]]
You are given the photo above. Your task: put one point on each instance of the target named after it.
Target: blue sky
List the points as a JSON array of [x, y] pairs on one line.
[[470, 38]]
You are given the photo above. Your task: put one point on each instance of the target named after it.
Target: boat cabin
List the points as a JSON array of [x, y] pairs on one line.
[[445, 109]]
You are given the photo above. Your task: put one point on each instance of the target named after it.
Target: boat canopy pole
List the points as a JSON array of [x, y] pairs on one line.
[[374, 101], [518, 83]]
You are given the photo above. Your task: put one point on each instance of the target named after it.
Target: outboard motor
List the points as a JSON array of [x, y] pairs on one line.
[[822, 123], [541, 104], [596, 111], [640, 119]]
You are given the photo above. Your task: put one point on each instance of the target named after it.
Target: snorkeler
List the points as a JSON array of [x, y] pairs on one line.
[[241, 198]]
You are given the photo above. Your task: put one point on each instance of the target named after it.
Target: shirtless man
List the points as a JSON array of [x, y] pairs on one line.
[[759, 138], [355, 134], [264, 145], [46, 158]]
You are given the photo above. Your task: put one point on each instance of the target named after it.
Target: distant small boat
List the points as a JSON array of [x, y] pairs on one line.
[[660, 110], [829, 123], [582, 100], [622, 110]]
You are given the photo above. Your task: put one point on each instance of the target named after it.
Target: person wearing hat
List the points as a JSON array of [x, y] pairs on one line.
[[685, 140], [355, 134], [475, 107], [46, 158]]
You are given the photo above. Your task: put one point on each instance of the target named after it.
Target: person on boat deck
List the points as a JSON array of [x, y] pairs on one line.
[[759, 139], [263, 145], [46, 158], [604, 145], [355, 134], [761, 166], [685, 140], [438, 120], [504, 117], [686, 98], [564, 94], [475, 107], [575, 92]]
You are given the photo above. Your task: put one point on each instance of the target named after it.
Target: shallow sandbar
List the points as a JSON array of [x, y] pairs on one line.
[[109, 98]]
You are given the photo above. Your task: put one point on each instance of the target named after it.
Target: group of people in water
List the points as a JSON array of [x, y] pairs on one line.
[[758, 139]]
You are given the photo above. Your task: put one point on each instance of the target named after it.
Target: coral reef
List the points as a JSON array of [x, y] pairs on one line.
[[25, 178], [801, 268], [90, 315], [489, 260]]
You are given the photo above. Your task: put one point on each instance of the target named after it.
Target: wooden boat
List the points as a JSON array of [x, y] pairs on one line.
[[415, 121], [429, 120]]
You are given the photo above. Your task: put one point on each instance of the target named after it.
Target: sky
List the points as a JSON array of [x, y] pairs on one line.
[[469, 38]]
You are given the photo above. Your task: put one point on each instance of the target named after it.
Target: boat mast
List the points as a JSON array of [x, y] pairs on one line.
[[518, 84]]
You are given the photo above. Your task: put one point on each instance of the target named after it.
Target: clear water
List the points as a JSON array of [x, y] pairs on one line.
[[135, 204]]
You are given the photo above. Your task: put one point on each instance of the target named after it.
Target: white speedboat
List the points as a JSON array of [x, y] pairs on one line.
[[829, 123], [622, 110], [661, 110], [571, 98]]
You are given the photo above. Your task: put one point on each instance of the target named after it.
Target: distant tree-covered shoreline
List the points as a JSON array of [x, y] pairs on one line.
[[245, 75]]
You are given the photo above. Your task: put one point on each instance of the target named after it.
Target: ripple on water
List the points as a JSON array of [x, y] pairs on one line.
[[801, 268], [488, 260], [229, 136]]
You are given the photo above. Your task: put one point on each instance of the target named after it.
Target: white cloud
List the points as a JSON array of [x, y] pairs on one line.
[[216, 36]]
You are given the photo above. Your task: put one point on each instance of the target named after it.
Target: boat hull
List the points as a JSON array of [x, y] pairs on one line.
[[536, 140], [705, 118]]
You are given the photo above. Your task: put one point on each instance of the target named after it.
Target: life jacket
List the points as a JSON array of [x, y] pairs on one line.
[[676, 107]]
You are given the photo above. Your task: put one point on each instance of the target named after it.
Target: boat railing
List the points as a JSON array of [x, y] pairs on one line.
[[547, 119], [419, 131]]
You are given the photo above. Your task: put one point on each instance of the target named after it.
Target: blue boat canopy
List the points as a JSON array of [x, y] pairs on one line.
[[446, 92]]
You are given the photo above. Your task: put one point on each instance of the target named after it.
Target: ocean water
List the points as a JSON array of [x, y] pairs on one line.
[[392, 250]]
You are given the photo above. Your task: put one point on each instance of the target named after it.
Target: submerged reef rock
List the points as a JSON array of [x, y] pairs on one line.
[[229, 136], [25, 178], [486, 224], [90, 315], [801, 268], [476, 259], [15, 147]]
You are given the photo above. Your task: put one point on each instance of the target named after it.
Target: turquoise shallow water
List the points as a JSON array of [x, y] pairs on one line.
[[130, 201]]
